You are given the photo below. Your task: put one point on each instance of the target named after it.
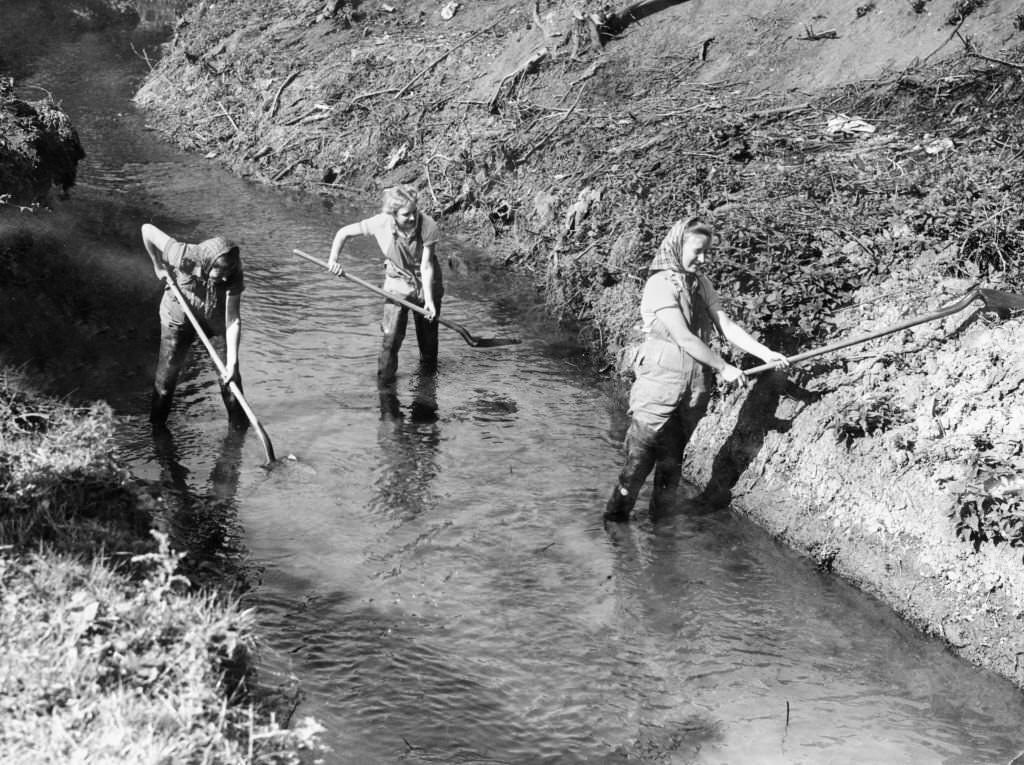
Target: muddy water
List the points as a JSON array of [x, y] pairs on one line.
[[440, 584]]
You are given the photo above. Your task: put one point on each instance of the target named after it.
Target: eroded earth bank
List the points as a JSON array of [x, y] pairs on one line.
[[861, 161]]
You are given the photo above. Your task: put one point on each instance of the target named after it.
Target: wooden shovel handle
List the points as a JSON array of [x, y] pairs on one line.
[[264, 437], [959, 305]]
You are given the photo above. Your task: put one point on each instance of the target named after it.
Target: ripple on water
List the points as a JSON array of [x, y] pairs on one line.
[[444, 590]]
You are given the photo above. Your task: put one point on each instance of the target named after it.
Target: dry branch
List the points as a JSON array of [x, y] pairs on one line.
[[441, 58], [551, 132], [226, 114], [810, 34], [994, 60], [277, 96], [776, 112], [531, 61]]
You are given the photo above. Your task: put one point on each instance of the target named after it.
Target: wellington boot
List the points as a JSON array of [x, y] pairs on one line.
[[620, 505]]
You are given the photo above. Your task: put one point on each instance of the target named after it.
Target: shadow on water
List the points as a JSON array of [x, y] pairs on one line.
[[684, 579], [408, 444], [389, 669], [433, 568], [204, 524]]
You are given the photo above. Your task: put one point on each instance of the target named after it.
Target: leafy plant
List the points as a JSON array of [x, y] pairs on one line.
[[866, 417], [990, 508]]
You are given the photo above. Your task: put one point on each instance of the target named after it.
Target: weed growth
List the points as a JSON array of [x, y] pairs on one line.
[[990, 508]]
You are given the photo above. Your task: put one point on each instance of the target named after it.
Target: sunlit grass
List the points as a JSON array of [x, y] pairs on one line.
[[97, 667], [106, 653]]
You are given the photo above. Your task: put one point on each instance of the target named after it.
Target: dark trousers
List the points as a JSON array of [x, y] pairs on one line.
[[394, 324], [659, 450], [175, 342]]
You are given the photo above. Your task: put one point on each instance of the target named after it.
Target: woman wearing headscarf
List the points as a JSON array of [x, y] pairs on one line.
[[407, 238], [675, 367], [209, 275]]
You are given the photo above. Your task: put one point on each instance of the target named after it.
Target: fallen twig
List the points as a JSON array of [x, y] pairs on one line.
[[551, 132], [994, 60], [532, 60], [223, 109], [704, 48], [946, 42], [282, 173], [775, 112], [590, 72], [441, 58], [430, 183], [277, 96], [810, 34], [371, 94]]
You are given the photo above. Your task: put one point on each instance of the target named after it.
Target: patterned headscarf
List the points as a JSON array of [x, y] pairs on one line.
[[209, 250], [670, 254]]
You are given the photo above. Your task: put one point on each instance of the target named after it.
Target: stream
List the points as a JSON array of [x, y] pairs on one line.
[[431, 568]]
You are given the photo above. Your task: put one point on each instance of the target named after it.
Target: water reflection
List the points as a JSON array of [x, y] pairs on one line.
[[203, 525], [408, 443], [463, 605]]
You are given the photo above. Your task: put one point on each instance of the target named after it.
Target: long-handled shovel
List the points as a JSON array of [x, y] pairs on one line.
[[1002, 303], [268, 448], [476, 342]]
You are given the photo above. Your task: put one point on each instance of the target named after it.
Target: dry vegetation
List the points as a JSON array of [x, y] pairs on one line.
[[566, 139]]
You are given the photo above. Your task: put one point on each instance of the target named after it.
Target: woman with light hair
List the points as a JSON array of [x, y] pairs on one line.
[[407, 238], [675, 367]]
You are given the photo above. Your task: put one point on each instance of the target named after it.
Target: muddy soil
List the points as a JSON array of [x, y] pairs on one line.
[[39, 149], [860, 159]]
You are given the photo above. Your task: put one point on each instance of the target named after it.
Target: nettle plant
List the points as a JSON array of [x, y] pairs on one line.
[[867, 416], [990, 507]]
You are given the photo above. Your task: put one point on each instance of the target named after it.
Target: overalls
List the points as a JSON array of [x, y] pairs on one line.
[[177, 334], [667, 400], [402, 277]]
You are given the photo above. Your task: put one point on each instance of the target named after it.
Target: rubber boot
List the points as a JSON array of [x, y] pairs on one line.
[[159, 408], [237, 420], [620, 505]]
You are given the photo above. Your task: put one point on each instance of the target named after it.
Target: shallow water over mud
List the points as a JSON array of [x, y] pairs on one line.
[[432, 567]]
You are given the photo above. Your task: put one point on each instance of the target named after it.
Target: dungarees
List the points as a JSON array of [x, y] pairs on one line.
[[189, 264], [667, 400], [401, 276]]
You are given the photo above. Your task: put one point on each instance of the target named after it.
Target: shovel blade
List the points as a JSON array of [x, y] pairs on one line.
[[1005, 304], [494, 342]]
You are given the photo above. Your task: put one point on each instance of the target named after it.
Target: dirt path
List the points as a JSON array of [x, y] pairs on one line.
[[858, 157]]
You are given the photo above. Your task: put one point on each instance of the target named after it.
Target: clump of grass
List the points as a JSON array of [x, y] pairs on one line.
[[100, 667], [107, 654], [58, 483]]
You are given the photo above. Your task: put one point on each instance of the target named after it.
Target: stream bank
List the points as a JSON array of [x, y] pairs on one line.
[[113, 647], [157, 659], [859, 174]]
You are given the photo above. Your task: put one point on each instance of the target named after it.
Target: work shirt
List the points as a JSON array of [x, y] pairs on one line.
[[403, 252], [190, 266], [693, 295], [667, 377]]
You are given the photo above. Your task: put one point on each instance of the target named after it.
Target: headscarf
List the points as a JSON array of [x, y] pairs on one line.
[[670, 254], [209, 250]]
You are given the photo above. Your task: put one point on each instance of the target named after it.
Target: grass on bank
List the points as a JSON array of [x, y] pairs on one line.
[[106, 654]]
